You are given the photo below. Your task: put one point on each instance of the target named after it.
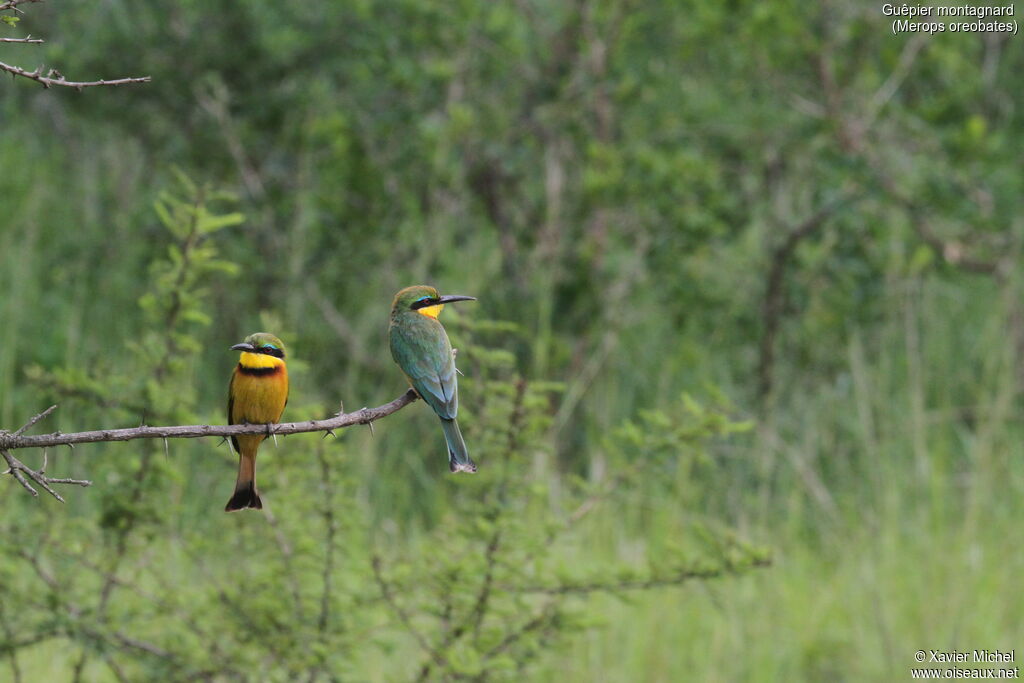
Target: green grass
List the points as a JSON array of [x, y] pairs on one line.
[[891, 501], [855, 606]]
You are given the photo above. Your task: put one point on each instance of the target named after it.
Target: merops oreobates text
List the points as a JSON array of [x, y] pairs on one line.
[[421, 348], [257, 394]]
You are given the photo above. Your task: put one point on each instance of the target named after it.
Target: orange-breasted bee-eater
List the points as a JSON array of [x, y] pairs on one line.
[[257, 394], [421, 348]]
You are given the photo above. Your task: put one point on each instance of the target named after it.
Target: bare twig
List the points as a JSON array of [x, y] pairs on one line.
[[18, 470], [12, 441], [13, 4], [22, 473], [35, 418], [53, 78]]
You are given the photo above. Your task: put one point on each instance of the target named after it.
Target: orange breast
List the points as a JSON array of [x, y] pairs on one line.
[[259, 398]]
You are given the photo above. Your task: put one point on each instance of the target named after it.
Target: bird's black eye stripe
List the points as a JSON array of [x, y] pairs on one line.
[[272, 351], [424, 302]]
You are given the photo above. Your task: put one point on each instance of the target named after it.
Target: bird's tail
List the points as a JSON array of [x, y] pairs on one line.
[[245, 495], [458, 458]]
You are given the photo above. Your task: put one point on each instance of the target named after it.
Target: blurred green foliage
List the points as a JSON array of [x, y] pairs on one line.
[[617, 182], [281, 605]]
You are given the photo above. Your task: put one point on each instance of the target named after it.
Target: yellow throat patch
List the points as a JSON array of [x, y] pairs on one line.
[[431, 311], [259, 360]]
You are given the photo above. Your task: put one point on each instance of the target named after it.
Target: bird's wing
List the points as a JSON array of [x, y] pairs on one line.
[[426, 359]]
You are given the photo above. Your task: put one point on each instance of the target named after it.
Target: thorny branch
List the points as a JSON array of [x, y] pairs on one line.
[[18, 470], [13, 440], [13, 5], [52, 77]]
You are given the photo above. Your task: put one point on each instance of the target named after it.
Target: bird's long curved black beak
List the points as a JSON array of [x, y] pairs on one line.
[[244, 346], [449, 298]]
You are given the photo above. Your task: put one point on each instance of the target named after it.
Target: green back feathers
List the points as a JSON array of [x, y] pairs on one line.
[[421, 348]]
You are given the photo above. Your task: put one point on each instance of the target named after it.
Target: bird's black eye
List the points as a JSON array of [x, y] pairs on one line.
[[423, 301], [272, 350]]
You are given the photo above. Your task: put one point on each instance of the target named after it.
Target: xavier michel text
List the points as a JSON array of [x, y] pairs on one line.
[[986, 656]]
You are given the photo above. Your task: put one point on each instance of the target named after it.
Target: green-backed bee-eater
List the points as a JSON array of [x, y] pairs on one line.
[[421, 348], [257, 394]]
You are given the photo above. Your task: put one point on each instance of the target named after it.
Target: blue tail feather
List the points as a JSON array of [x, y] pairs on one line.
[[458, 457]]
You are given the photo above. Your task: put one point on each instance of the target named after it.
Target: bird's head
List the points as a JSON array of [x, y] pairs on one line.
[[424, 300], [261, 343]]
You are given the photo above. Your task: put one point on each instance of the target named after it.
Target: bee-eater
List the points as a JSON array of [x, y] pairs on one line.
[[421, 348], [257, 394]]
